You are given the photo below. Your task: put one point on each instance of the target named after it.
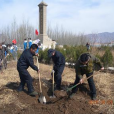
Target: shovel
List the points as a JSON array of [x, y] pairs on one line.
[[69, 89], [53, 96], [42, 98]]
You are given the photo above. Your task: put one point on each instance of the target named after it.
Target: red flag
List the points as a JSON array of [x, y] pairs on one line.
[[14, 41], [36, 32]]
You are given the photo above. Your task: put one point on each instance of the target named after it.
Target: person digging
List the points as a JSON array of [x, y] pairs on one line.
[[58, 67], [85, 65], [26, 60]]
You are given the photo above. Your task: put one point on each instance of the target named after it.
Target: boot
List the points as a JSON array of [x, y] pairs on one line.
[[34, 93], [93, 96], [20, 89], [72, 95]]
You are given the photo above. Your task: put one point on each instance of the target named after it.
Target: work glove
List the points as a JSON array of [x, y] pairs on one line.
[[102, 68], [81, 81], [38, 71], [52, 72], [36, 54]]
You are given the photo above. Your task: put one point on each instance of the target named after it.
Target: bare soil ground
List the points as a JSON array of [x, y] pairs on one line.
[[12, 102]]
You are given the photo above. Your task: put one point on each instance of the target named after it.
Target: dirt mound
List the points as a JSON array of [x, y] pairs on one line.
[[13, 102]]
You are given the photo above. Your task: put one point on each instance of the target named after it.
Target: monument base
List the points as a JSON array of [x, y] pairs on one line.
[[46, 41]]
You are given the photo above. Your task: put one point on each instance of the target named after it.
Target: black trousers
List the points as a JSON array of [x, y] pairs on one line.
[[90, 81], [57, 76], [25, 77]]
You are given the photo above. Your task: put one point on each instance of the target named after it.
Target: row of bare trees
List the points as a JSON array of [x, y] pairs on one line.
[[26, 30], [18, 32], [64, 37]]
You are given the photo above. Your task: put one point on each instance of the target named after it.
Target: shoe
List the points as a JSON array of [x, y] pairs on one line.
[[93, 96], [34, 93], [20, 90], [72, 95], [56, 88]]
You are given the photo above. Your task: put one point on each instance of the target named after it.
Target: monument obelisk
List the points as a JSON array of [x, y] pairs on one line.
[[45, 40]]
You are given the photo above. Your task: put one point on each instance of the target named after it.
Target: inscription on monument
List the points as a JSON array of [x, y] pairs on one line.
[[41, 20]]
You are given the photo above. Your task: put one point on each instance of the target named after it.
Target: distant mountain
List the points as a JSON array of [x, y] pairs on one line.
[[104, 37]]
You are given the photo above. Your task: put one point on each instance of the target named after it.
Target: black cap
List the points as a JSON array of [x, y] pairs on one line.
[[84, 57], [39, 44], [50, 52]]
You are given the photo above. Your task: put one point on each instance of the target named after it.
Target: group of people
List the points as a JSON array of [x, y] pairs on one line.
[[5, 49], [27, 44], [84, 65]]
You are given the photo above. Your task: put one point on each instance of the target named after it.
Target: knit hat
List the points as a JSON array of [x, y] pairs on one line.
[[50, 52]]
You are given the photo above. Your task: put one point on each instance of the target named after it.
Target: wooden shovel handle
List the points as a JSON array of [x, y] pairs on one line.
[[87, 79], [40, 83], [37, 63], [77, 84], [39, 76], [53, 81]]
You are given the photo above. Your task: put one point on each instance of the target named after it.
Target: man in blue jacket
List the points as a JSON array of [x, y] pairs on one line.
[[59, 64], [26, 60], [25, 44], [30, 42]]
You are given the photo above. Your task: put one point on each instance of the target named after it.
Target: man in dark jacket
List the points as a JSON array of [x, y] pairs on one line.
[[26, 60], [59, 64], [5, 52], [1, 56], [85, 65]]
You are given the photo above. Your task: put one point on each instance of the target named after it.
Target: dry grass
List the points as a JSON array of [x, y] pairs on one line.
[[103, 81]]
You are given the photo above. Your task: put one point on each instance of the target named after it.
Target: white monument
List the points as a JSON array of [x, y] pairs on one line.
[[45, 40]]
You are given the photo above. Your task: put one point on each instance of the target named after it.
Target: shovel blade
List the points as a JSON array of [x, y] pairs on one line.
[[42, 99], [53, 96]]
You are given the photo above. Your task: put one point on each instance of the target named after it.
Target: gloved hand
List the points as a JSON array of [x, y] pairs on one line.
[[102, 68], [38, 71], [36, 54], [81, 81], [52, 72]]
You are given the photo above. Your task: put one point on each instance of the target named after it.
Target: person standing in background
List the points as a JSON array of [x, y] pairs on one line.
[[30, 42], [88, 46], [39, 47], [14, 50], [5, 53], [1, 57], [25, 44]]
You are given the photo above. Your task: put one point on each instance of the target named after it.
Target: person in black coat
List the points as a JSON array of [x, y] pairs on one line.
[[1, 56], [59, 64], [26, 60]]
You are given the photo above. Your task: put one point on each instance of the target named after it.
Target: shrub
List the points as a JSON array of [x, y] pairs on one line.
[[107, 58], [43, 56], [71, 53], [19, 54]]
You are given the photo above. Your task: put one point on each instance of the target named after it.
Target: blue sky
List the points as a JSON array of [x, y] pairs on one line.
[[78, 16]]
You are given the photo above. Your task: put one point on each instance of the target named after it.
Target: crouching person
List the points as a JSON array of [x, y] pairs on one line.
[[85, 65], [59, 64], [26, 60]]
